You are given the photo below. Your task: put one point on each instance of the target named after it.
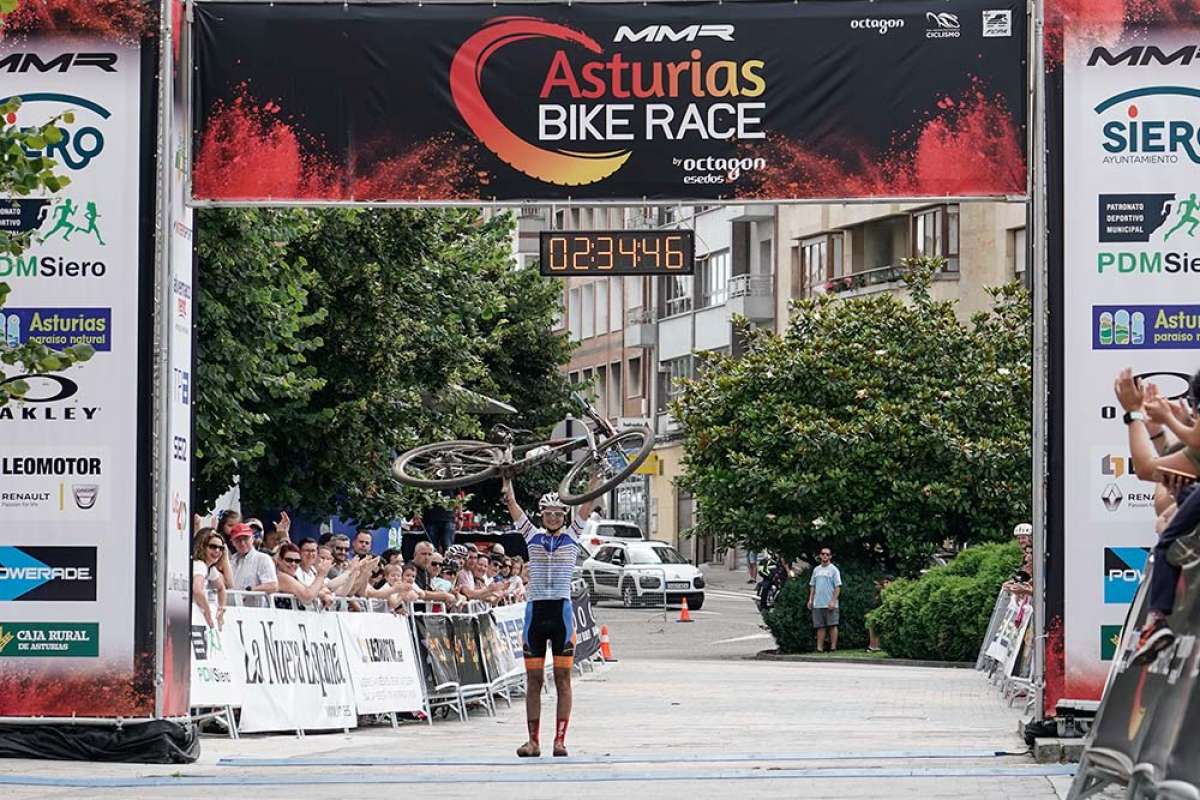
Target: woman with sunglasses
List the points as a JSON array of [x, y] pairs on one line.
[[287, 564], [209, 561]]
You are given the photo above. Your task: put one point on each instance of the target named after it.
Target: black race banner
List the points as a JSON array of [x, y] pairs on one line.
[[587, 636], [467, 654], [437, 646], [463, 102]]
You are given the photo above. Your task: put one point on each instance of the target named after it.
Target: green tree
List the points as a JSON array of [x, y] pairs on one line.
[[22, 175], [416, 302], [877, 426], [254, 329]]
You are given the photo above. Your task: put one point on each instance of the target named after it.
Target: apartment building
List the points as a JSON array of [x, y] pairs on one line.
[[853, 250], [637, 336]]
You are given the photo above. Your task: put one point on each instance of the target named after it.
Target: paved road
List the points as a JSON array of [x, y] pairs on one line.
[[728, 625], [683, 715]]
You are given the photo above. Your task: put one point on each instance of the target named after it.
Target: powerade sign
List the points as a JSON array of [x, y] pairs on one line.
[[1124, 568], [57, 328], [1148, 327], [48, 573]]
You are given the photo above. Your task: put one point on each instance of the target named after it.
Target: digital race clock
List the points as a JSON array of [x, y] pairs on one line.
[[618, 252]]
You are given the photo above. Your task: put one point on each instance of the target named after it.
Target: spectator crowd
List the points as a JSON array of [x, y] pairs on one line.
[[242, 555]]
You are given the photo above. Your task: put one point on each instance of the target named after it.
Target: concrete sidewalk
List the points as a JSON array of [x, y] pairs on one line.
[[693, 729]]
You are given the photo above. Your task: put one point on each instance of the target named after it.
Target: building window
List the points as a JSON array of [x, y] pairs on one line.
[[588, 292], [1017, 253], [635, 377], [796, 265], [677, 370], [677, 294], [601, 306], [602, 391], [714, 279], [616, 300], [560, 312], [814, 258], [935, 234], [633, 296], [616, 400], [575, 314]]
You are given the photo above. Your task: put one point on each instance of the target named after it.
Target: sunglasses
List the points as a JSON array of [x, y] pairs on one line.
[[292, 560], [340, 549], [550, 513], [216, 547]]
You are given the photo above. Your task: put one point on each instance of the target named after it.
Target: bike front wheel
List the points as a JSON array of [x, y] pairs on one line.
[[617, 457], [448, 465]]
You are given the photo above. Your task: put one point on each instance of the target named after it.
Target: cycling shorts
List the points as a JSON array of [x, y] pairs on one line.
[[549, 622]]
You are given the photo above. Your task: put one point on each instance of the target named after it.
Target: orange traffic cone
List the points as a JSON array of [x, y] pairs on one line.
[[605, 648], [684, 616]]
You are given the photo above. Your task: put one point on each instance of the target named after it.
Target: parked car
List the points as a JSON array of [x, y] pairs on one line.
[[605, 531], [633, 571]]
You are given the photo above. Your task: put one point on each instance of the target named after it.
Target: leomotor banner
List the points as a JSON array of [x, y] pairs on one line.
[[466, 102], [383, 662], [1130, 167], [75, 603]]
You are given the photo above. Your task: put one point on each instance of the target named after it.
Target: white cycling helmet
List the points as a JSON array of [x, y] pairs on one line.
[[457, 551], [550, 500]]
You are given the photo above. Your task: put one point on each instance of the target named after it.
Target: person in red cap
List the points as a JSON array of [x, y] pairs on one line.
[[253, 570]]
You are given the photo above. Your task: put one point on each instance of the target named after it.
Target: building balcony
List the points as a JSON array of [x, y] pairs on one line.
[[752, 296], [640, 328], [756, 212], [876, 280]]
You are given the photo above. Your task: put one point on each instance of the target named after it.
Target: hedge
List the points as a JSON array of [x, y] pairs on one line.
[[943, 615], [790, 621]]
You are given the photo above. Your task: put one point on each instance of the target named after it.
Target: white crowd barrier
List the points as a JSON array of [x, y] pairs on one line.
[[1007, 652], [286, 668]]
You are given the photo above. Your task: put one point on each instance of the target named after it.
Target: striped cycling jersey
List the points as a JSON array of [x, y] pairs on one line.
[[551, 559]]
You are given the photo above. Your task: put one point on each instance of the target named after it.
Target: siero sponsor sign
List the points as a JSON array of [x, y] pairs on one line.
[[214, 678], [294, 668], [1131, 217], [49, 639], [57, 328], [1150, 327], [70, 446], [37, 574]]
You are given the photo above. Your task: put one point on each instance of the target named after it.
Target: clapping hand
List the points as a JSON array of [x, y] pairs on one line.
[[1129, 392]]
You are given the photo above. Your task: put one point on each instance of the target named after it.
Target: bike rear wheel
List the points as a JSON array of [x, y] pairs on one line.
[[448, 465], [618, 456]]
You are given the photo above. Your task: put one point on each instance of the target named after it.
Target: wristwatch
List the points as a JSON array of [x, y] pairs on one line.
[[1131, 416]]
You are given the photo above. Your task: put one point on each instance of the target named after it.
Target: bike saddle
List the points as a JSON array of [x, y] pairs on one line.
[[505, 432]]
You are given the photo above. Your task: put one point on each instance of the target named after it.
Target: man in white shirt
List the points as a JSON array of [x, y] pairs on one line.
[[823, 592], [253, 570]]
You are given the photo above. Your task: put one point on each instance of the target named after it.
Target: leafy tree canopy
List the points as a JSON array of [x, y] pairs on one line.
[[879, 427]]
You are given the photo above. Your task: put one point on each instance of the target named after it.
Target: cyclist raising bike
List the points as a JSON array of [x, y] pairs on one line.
[[549, 614]]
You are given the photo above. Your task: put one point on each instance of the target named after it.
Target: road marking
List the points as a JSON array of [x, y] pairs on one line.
[[749, 638], [728, 595], [549, 773], [649, 758]]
